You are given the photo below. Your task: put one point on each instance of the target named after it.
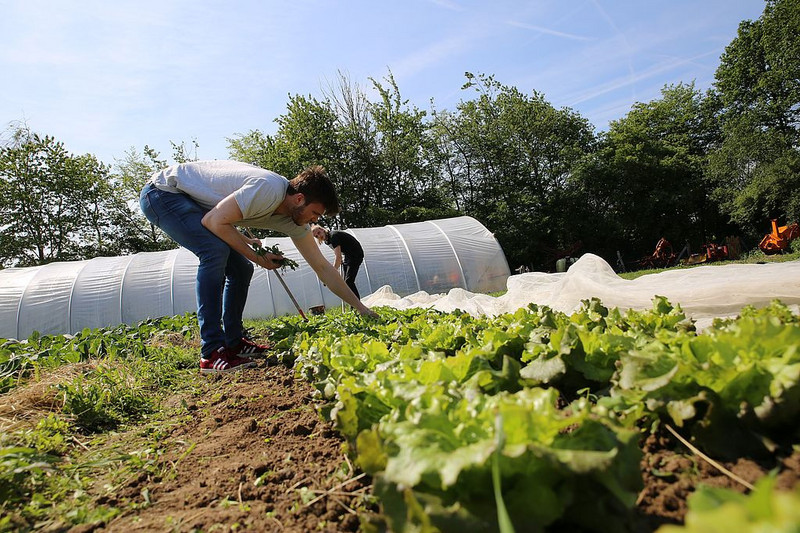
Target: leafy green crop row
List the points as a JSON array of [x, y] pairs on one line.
[[465, 421]]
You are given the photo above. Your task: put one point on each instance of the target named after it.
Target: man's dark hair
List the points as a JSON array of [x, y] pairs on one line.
[[316, 186]]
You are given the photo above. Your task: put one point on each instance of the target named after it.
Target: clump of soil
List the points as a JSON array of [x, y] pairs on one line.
[[671, 473]]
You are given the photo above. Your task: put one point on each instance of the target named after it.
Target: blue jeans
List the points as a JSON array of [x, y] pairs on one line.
[[223, 275]]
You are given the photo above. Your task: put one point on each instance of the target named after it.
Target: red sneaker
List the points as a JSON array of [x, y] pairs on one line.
[[224, 360], [248, 348]]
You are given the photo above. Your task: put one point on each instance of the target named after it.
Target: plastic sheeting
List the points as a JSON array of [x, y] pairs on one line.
[[703, 292], [58, 298]]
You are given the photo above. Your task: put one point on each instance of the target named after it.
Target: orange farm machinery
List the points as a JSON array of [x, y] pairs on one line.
[[778, 241]]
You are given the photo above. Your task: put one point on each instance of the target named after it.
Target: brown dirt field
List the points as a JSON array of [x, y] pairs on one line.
[[261, 424]]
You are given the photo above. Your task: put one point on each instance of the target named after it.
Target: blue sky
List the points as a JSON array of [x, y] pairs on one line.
[[103, 76]]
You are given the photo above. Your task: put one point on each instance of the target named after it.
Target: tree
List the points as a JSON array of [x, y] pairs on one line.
[[135, 232], [408, 188], [39, 201], [646, 180], [306, 136], [104, 216], [359, 174], [506, 158], [181, 153], [756, 167], [57, 206], [375, 153]]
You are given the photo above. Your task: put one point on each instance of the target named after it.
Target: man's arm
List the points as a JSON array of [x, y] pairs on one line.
[[338, 261], [220, 221], [309, 249]]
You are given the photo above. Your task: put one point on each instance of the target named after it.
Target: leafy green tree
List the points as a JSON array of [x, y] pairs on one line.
[[646, 180], [506, 158], [40, 200], [182, 153], [135, 232], [408, 188], [359, 174], [252, 147], [375, 153], [104, 214], [383, 166], [306, 136], [57, 206], [756, 168]]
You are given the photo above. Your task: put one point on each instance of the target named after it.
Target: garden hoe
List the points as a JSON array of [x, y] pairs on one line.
[[280, 278]]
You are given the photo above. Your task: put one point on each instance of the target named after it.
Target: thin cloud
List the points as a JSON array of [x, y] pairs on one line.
[[447, 4], [548, 31], [625, 81], [426, 58]]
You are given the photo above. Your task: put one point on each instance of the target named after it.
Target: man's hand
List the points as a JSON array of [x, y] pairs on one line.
[[273, 256], [270, 261], [252, 241], [370, 313]]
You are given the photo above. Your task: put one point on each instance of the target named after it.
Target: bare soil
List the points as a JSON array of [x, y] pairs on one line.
[[254, 455]]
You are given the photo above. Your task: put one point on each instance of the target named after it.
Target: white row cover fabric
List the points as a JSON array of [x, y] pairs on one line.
[[703, 292], [58, 298]]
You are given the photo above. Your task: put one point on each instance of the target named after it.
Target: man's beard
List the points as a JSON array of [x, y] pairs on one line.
[[296, 213]]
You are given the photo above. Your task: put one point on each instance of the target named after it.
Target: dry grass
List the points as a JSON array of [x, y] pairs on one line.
[[166, 339], [28, 403]]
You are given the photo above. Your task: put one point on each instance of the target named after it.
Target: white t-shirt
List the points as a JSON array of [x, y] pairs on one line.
[[257, 191]]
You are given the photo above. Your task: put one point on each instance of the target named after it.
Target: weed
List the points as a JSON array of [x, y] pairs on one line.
[[51, 436], [262, 479], [105, 401], [22, 471]]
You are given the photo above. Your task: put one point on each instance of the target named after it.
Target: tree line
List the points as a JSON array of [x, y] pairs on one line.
[[693, 167]]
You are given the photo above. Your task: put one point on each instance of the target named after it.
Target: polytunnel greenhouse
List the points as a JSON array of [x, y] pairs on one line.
[[433, 256]]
